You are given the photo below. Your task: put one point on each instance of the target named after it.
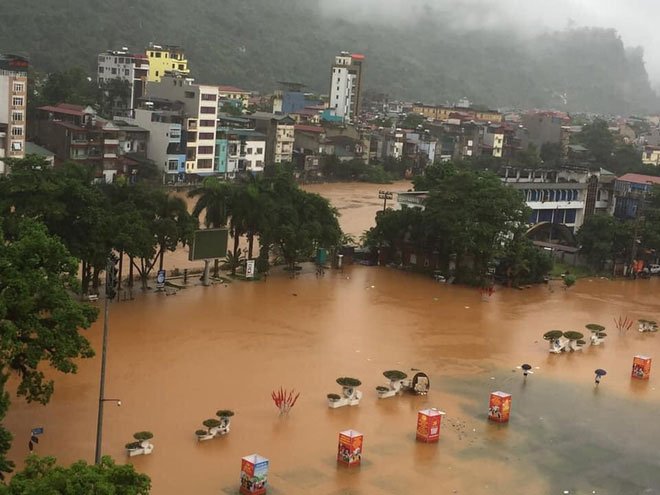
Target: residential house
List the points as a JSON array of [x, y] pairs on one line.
[[13, 107], [36, 150], [279, 131], [545, 127], [124, 66], [651, 155], [630, 191], [200, 110], [165, 59], [234, 96], [239, 150], [167, 145], [346, 85]]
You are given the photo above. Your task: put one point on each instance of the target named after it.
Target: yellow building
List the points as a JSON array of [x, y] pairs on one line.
[[651, 155], [165, 58]]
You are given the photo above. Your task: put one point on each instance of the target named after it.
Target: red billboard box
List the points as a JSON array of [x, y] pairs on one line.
[[349, 451], [641, 368], [499, 407], [254, 475], [428, 425]]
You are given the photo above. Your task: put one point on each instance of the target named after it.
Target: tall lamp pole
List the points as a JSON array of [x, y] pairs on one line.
[[385, 195], [110, 293]]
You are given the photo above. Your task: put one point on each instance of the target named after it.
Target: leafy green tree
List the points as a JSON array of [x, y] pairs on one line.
[[43, 476], [523, 263], [599, 140], [39, 321], [604, 238], [113, 95], [551, 154], [72, 85], [6, 466]]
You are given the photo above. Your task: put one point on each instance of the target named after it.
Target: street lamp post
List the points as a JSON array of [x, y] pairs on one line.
[[110, 292], [385, 195]]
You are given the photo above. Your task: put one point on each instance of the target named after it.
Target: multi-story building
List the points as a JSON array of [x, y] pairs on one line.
[[233, 95], [564, 196], [200, 111], [13, 107], [651, 155], [76, 133], [545, 127], [346, 85], [167, 146], [279, 131], [165, 58], [444, 112], [492, 141], [239, 150], [631, 191], [124, 66]]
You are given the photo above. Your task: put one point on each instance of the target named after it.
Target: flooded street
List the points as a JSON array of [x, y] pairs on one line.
[[173, 361]]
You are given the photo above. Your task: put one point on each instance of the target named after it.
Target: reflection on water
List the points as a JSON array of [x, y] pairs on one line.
[[174, 361]]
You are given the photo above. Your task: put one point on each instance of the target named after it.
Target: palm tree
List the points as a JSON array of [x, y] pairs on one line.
[[213, 198]]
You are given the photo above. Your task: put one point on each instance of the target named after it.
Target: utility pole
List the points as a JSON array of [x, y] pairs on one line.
[[110, 293], [385, 195]]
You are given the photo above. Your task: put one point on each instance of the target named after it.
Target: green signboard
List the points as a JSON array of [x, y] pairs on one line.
[[208, 244]]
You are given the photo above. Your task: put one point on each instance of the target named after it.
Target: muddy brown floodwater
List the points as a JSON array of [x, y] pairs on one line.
[[174, 361]]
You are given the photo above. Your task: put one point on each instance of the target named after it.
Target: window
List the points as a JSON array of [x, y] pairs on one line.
[[158, 54], [259, 151], [172, 165], [248, 151], [189, 94], [19, 87], [570, 216], [207, 123], [205, 150], [208, 110], [156, 73], [205, 163], [175, 134], [209, 97], [16, 146], [126, 72], [180, 66], [114, 71], [17, 131], [17, 101], [206, 135], [100, 70], [174, 66], [18, 117]]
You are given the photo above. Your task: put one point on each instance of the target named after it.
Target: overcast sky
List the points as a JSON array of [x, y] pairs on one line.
[[636, 20]]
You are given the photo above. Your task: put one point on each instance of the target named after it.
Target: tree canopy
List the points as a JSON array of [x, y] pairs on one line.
[[42, 476]]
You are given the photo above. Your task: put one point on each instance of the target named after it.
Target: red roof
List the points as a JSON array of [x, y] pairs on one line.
[[640, 178], [231, 89], [357, 56], [65, 108], [309, 128]]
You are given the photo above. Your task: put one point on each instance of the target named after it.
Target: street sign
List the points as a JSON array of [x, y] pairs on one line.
[[249, 268], [38, 431], [160, 279]]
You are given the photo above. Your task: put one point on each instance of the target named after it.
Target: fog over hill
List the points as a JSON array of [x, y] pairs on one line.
[[509, 53]]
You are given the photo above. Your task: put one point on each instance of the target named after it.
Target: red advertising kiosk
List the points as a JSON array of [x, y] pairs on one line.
[[641, 368], [499, 407], [254, 475], [349, 450], [428, 425]]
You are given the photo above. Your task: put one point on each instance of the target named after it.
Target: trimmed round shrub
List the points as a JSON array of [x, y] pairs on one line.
[[395, 375], [143, 435], [595, 327], [132, 445], [581, 342], [553, 334], [571, 335], [569, 280], [380, 388], [333, 396], [211, 423], [224, 413], [602, 335], [201, 433], [346, 381]]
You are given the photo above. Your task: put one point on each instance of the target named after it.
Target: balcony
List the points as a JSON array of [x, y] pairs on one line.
[[111, 142], [109, 155]]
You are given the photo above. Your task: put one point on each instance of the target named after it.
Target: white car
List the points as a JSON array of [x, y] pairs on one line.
[[654, 269]]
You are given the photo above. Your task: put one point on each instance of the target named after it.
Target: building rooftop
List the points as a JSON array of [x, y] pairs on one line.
[[317, 129], [231, 89], [640, 178], [67, 109], [35, 149]]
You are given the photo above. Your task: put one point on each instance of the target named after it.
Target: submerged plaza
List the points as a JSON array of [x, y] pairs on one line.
[[174, 361]]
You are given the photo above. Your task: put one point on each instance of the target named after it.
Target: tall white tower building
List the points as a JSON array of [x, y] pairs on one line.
[[346, 85]]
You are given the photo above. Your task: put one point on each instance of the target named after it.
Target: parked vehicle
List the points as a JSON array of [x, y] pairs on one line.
[[654, 269]]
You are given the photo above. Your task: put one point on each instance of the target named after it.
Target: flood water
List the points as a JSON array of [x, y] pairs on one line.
[[174, 360]]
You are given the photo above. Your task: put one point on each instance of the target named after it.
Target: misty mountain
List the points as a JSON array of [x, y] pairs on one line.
[[255, 43]]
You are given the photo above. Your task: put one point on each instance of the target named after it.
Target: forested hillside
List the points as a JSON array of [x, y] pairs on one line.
[[255, 43]]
